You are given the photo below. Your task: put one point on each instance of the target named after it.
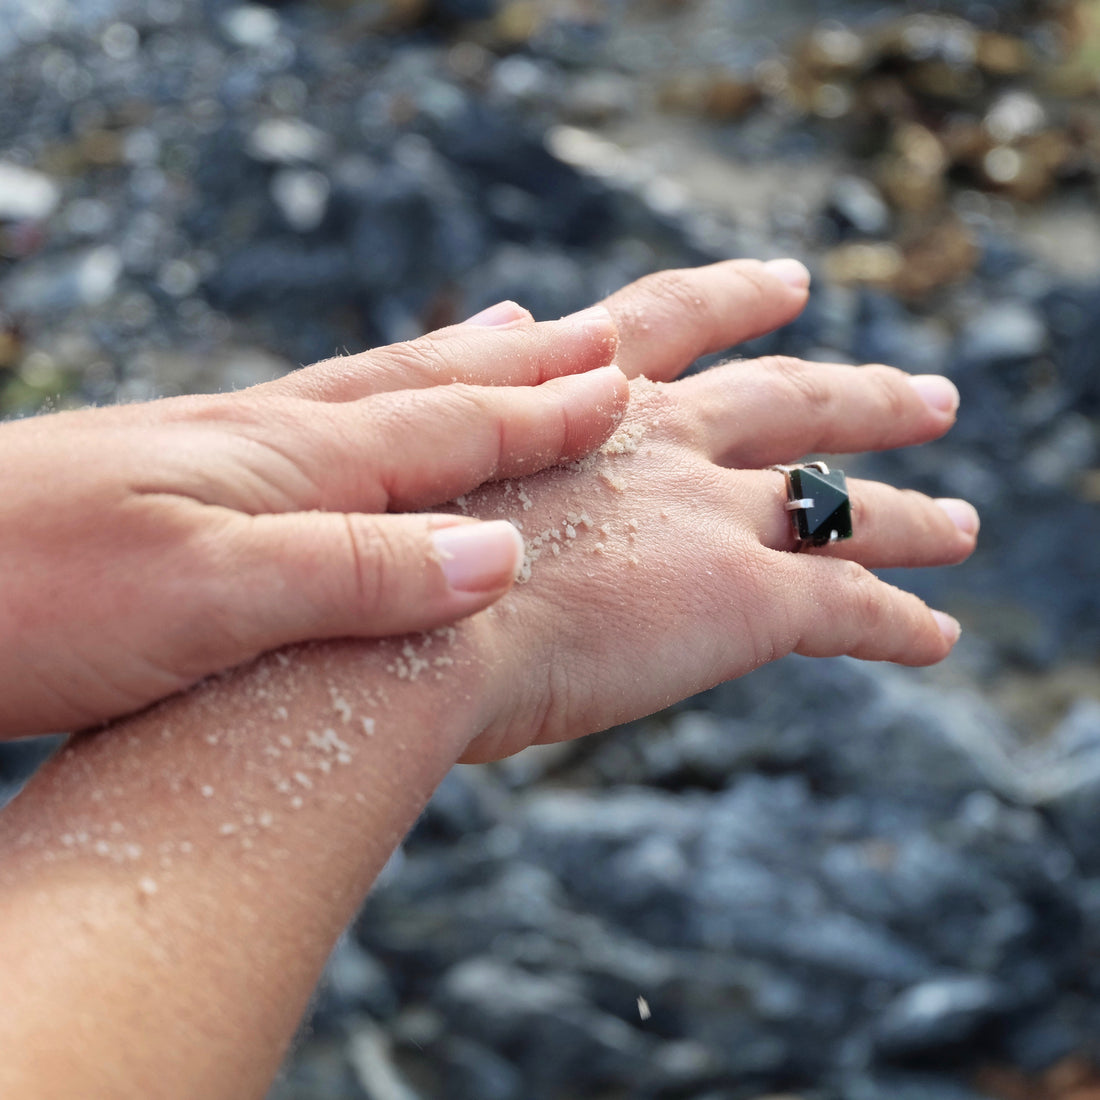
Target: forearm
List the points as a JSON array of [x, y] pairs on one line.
[[171, 887]]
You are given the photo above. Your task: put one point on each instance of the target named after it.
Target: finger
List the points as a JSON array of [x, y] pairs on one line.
[[891, 528], [841, 609], [899, 528], [310, 575], [517, 353], [776, 409], [668, 319], [499, 315], [419, 448]]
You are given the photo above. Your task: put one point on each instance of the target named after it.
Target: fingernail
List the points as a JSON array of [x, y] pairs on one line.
[[939, 393], [593, 391], [949, 627], [793, 272], [963, 514], [479, 557], [593, 317], [596, 379], [503, 313]]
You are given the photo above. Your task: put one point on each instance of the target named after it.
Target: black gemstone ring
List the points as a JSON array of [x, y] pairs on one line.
[[818, 502]]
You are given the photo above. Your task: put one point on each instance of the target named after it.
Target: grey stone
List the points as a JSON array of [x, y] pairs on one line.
[[287, 141], [859, 207], [26, 195], [84, 278], [1003, 332]]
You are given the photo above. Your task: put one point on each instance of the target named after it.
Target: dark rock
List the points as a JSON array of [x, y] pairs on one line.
[[476, 1072], [936, 1014], [561, 1039], [353, 982]]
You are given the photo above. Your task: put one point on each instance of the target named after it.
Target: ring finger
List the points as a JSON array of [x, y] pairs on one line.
[[890, 527]]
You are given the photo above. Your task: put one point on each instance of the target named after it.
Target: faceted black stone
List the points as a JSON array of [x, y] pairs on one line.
[[830, 512]]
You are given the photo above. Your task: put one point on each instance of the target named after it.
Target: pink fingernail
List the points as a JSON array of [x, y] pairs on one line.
[[963, 514], [503, 313], [479, 557], [949, 627], [594, 316], [937, 392], [793, 272]]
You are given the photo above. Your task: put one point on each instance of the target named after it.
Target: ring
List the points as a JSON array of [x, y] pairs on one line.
[[818, 502]]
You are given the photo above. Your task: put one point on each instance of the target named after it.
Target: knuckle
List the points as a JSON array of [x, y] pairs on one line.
[[756, 279], [463, 406], [801, 380], [894, 392], [421, 359], [374, 562], [865, 595], [680, 288]]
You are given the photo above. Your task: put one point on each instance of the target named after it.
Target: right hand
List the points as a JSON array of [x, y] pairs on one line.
[[145, 546]]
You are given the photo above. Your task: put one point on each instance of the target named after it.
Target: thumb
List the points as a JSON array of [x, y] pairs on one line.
[[310, 575]]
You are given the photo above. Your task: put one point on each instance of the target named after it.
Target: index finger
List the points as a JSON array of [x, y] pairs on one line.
[[668, 319]]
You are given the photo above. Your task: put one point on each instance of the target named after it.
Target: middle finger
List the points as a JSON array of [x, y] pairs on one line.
[[766, 411]]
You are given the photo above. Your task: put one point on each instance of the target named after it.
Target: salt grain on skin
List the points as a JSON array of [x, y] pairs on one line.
[[625, 440], [340, 705], [147, 886]]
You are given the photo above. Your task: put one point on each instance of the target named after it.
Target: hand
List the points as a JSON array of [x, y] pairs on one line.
[[673, 570], [145, 546], [663, 565]]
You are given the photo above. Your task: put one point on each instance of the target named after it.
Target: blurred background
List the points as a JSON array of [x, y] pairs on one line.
[[828, 880]]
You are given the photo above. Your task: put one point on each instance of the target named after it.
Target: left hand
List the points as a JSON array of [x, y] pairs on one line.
[[664, 565]]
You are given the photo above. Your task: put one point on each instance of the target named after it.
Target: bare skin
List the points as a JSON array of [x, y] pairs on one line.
[[180, 537], [172, 886]]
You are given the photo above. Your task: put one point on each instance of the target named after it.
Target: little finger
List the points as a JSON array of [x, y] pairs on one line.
[[838, 608]]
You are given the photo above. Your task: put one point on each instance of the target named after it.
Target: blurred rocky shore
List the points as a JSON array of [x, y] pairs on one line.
[[828, 880]]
